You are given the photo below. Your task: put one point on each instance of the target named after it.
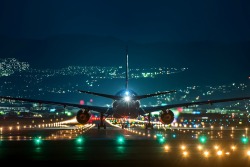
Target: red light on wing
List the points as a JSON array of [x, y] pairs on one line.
[[179, 109], [81, 102]]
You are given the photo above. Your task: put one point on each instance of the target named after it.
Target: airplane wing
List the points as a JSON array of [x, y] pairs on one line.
[[101, 94], [89, 107], [157, 108], [151, 95], [114, 97]]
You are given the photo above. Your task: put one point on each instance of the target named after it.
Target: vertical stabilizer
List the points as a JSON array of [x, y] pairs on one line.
[[126, 86]]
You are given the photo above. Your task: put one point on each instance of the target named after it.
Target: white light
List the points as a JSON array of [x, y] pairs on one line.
[[219, 152], [206, 153], [127, 98], [126, 93]]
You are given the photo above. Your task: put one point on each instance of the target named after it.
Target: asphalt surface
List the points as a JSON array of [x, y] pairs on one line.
[[126, 147]]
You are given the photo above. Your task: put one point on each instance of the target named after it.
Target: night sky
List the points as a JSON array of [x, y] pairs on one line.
[[179, 33], [143, 21]]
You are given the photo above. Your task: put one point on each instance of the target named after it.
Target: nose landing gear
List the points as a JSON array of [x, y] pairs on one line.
[[101, 124]]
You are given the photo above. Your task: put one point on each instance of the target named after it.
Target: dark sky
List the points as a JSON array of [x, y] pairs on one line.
[[211, 36], [136, 20]]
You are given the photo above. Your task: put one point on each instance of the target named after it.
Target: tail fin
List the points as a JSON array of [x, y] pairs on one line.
[[126, 86]]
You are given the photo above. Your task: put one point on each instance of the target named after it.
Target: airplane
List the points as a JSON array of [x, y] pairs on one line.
[[126, 104]]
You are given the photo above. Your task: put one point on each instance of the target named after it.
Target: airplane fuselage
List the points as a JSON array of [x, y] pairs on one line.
[[127, 107], [124, 109]]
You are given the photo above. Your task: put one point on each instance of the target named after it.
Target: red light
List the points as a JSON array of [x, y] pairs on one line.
[[179, 109], [81, 102]]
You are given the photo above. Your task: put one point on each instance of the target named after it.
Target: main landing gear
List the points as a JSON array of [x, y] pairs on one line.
[[149, 125], [101, 124], [124, 125]]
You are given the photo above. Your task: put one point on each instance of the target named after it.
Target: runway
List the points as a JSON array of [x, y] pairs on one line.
[[171, 146]]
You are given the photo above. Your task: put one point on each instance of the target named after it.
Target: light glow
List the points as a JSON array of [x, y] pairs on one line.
[[127, 98]]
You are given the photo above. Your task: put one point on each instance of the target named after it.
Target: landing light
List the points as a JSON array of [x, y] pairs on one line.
[[127, 98]]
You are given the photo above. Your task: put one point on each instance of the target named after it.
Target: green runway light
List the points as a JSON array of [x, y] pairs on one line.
[[120, 140], [162, 140], [158, 135], [38, 140], [79, 140], [203, 139], [244, 140]]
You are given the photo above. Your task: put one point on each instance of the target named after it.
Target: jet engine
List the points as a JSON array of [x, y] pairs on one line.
[[83, 116], [166, 116]]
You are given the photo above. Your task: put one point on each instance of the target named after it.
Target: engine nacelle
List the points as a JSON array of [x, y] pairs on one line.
[[166, 116], [83, 116]]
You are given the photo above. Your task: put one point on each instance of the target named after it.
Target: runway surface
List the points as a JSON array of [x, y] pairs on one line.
[[135, 145]]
